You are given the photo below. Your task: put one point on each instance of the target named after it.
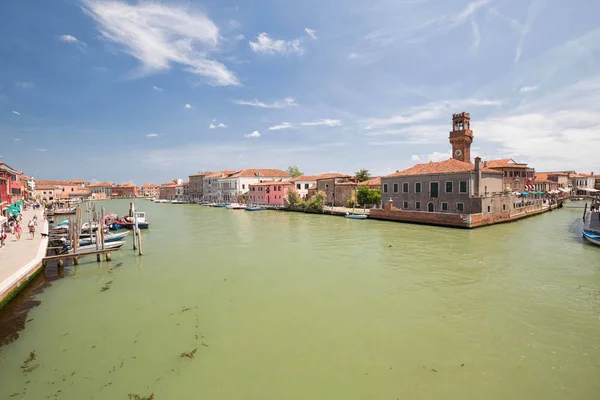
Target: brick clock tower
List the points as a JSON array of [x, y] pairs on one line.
[[461, 137]]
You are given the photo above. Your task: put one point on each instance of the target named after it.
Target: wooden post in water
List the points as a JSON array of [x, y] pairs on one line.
[[139, 235], [584, 211], [102, 226], [97, 237], [132, 214]]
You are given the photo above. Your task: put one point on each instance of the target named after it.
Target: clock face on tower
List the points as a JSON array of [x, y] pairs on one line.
[[458, 152]]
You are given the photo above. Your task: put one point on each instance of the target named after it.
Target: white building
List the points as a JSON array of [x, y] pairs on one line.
[[583, 184], [210, 186], [232, 187], [302, 183]]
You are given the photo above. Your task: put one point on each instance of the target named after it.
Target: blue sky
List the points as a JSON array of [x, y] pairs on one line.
[[150, 91]]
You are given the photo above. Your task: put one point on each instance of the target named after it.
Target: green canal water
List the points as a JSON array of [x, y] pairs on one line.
[[274, 305]]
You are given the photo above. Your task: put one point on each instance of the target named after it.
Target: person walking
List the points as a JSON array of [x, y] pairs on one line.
[[32, 229], [18, 231]]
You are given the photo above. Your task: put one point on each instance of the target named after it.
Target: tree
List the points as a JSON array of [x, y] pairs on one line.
[[365, 196], [294, 171], [362, 175], [293, 198], [316, 202]]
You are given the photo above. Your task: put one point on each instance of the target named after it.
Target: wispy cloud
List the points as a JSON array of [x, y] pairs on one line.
[[428, 112], [17, 139], [283, 125], [323, 122], [255, 134], [41, 149], [476, 34], [188, 106], [71, 39], [437, 156], [152, 135], [415, 158], [287, 102], [214, 126], [221, 125], [159, 35], [24, 85], [158, 89], [535, 7], [526, 89], [267, 45], [311, 32], [16, 113]]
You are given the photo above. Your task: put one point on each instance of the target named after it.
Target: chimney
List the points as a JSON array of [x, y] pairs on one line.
[[477, 179], [477, 163]]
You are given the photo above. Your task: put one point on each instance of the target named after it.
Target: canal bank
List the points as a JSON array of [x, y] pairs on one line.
[[272, 305], [21, 260]]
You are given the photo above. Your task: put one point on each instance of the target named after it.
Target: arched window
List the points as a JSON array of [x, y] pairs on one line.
[[430, 207]]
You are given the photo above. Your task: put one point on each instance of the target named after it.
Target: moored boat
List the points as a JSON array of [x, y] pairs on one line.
[[592, 237], [255, 208], [356, 216], [236, 206], [113, 237], [129, 222]]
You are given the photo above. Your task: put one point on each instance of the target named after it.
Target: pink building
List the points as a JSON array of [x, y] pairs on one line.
[[271, 193]]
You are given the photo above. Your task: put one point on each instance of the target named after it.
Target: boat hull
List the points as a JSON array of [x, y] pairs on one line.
[[255, 209], [592, 237], [356, 216]]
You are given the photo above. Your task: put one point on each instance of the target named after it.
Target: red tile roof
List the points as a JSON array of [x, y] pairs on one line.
[[201, 174], [272, 183], [100, 184], [45, 187], [220, 174], [149, 185], [581, 176], [449, 166], [260, 172], [51, 182], [541, 176], [505, 163], [309, 178], [371, 182], [77, 181]]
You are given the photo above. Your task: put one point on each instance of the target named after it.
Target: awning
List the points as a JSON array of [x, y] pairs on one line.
[[12, 211], [589, 190], [524, 193], [564, 190]]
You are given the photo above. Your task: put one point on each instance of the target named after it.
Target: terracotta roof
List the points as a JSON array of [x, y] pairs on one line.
[[220, 174], [272, 183], [45, 187], [100, 184], [553, 173], [505, 163], [581, 176], [77, 181], [201, 174], [169, 184], [50, 182], [259, 172], [543, 181], [371, 182], [541, 176], [149, 185], [449, 166], [7, 167], [309, 178], [128, 184], [313, 187], [346, 184]]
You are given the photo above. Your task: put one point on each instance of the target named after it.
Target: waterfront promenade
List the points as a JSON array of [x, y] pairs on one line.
[[21, 259]]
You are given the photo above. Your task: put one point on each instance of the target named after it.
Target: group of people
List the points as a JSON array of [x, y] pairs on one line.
[[14, 226]]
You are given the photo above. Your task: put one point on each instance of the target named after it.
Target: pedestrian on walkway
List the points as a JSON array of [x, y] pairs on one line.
[[2, 238], [18, 231], [31, 229]]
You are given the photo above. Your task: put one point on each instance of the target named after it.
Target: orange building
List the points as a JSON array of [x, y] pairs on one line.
[[125, 190], [149, 190]]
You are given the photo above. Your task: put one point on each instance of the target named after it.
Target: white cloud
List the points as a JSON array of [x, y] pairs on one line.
[[69, 39], [283, 125], [353, 56], [159, 35], [476, 34], [212, 126], [311, 32], [266, 45], [188, 106], [415, 158], [221, 125], [526, 89], [428, 112], [16, 113], [255, 134], [287, 102], [17, 139], [24, 85], [152, 135], [435, 156], [323, 122], [158, 89], [40, 149]]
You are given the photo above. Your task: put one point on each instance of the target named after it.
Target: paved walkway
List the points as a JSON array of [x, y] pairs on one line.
[[19, 257]]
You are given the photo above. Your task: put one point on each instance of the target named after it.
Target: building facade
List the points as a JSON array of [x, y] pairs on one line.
[[103, 188], [582, 184], [196, 186], [303, 183], [234, 187], [9, 180], [517, 177], [269, 193], [210, 186], [167, 191], [149, 190], [125, 190], [48, 193], [338, 189]]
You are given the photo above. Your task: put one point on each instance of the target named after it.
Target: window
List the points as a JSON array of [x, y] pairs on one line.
[[71, 189], [504, 207], [405, 187], [517, 173], [298, 186], [395, 188], [306, 186], [243, 186], [489, 208], [449, 187], [430, 207], [463, 186], [418, 187], [505, 173], [485, 189], [434, 189], [385, 188], [405, 205], [279, 188], [511, 174], [460, 207], [418, 205], [444, 206]]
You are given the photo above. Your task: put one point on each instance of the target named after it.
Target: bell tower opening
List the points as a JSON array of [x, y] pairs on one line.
[[461, 137]]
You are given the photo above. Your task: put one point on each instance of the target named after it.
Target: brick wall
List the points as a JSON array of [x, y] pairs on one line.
[[422, 217]]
